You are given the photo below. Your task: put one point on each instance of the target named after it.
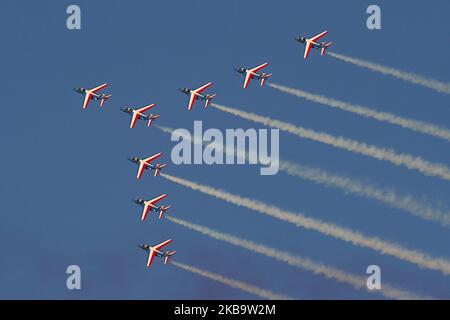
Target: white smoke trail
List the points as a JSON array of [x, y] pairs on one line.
[[387, 196], [307, 264], [421, 259], [409, 161], [403, 75], [415, 125], [263, 293]]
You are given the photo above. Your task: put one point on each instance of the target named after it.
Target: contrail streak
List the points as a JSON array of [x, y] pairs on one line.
[[421, 259], [263, 293], [307, 264], [388, 196], [409, 161], [403, 75], [415, 125]]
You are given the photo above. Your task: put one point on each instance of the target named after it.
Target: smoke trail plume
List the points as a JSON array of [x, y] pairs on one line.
[[415, 125], [307, 264], [263, 293], [403, 75], [409, 161], [387, 196], [421, 259]]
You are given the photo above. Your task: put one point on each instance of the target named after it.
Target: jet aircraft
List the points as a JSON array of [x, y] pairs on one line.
[[312, 43], [196, 94], [253, 74], [149, 205], [146, 164], [137, 114], [91, 94], [156, 251]]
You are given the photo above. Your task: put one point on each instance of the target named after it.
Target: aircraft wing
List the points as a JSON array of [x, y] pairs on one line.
[[94, 90], [142, 110], [151, 256], [137, 112], [134, 118], [162, 244], [256, 69], [90, 93], [143, 164], [308, 46], [195, 93], [249, 74], [202, 88], [150, 159], [320, 35], [87, 98], [191, 100], [248, 77], [149, 204]]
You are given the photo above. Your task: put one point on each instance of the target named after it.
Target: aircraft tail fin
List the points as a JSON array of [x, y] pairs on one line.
[[208, 99], [163, 210], [158, 168], [103, 99], [168, 255], [264, 77], [150, 121], [324, 48]]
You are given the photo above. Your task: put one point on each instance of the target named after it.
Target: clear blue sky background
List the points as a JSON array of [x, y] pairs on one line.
[[66, 182]]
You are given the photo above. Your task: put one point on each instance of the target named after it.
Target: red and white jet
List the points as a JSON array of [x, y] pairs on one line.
[[137, 114], [91, 94], [149, 205], [196, 94], [146, 164], [312, 43], [253, 74], [156, 251]]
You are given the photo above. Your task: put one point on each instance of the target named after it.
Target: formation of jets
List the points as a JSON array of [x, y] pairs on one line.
[[194, 94]]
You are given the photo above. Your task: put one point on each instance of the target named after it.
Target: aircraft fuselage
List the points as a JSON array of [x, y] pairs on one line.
[[149, 166], [140, 116], [315, 45], [94, 96], [160, 254], [152, 208], [198, 96], [256, 75]]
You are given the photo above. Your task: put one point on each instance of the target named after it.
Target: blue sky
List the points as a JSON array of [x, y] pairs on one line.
[[67, 184]]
